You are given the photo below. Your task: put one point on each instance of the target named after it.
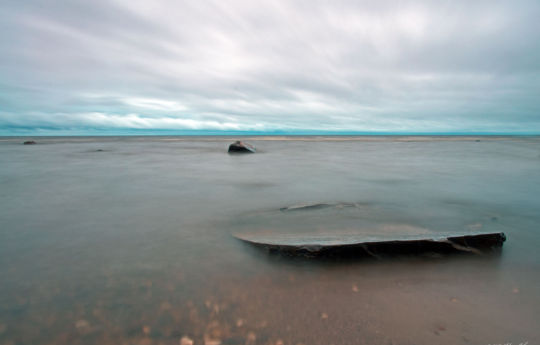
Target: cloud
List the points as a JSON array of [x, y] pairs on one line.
[[271, 65]]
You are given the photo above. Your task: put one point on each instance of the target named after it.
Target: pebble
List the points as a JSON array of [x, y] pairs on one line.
[[324, 316], [355, 288], [165, 306], [239, 323], [515, 290], [146, 330], [186, 340], [2, 328], [251, 338], [145, 341], [439, 329], [82, 324], [214, 330]]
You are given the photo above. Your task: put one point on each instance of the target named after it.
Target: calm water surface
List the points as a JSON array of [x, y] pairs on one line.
[[129, 241]]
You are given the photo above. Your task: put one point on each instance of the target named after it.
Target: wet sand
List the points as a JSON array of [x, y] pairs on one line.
[[133, 244]]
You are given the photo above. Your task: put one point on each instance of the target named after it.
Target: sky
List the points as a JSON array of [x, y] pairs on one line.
[[141, 66]]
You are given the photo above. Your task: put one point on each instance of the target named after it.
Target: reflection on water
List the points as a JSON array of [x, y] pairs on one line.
[[128, 241]]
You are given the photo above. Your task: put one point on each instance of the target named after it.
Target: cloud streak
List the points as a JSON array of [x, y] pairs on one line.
[[407, 66]]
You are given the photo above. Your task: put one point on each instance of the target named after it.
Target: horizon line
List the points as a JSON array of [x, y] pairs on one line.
[[188, 133]]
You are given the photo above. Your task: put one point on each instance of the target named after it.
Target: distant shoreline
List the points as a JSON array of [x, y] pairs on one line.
[[252, 134], [247, 137], [203, 133]]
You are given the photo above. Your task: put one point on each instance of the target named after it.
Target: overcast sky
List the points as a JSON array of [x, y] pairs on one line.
[[367, 66]]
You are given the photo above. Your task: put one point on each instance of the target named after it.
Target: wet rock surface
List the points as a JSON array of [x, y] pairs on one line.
[[241, 147], [29, 142], [365, 230], [359, 246]]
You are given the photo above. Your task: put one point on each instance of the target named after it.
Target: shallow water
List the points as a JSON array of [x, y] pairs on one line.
[[133, 244]]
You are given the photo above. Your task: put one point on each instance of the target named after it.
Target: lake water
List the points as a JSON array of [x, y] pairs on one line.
[[129, 240]]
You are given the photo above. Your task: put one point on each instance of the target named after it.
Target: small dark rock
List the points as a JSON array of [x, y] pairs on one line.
[[240, 147], [29, 142]]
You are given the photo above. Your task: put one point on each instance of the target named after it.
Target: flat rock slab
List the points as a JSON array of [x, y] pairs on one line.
[[361, 245]]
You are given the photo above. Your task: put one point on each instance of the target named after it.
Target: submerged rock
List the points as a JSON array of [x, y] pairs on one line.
[[304, 207], [241, 147], [29, 142], [318, 206]]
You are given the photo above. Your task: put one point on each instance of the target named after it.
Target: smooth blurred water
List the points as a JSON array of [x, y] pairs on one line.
[[132, 244]]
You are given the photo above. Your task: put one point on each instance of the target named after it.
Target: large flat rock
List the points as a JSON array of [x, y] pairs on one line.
[[362, 245]]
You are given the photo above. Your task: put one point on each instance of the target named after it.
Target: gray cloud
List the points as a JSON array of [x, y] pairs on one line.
[[271, 65]]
